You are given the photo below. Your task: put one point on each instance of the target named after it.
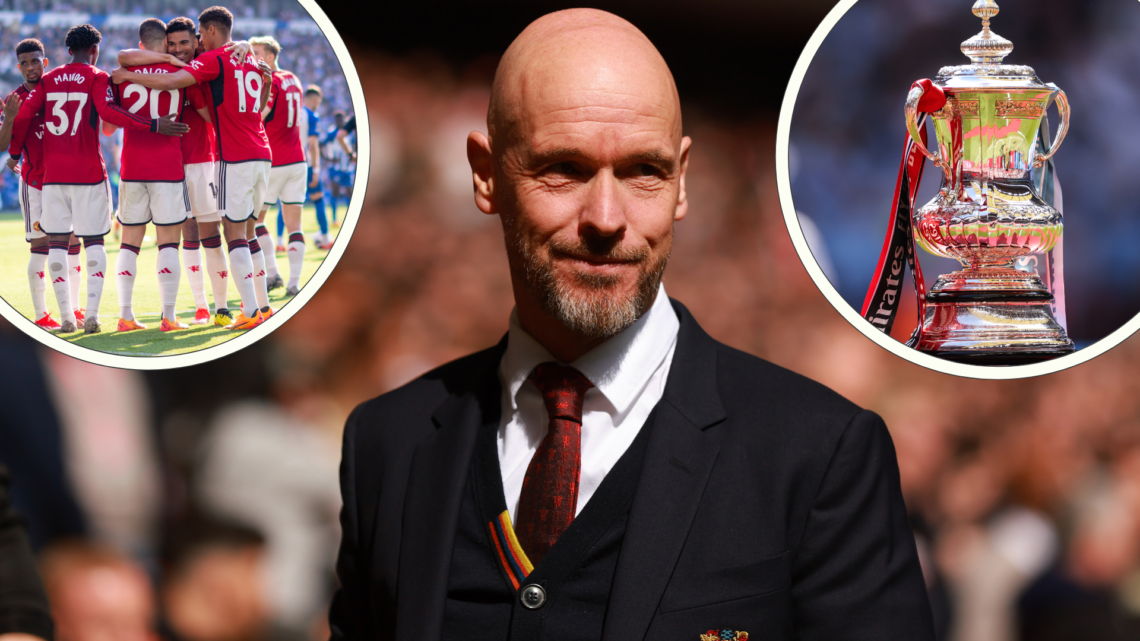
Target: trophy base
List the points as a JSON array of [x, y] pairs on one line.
[[993, 283], [991, 326]]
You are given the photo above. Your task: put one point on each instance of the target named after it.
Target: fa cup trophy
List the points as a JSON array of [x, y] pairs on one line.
[[988, 213]]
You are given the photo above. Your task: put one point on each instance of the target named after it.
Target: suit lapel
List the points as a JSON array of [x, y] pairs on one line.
[[440, 467], [678, 460]]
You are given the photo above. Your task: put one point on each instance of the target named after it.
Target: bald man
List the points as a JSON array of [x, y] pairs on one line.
[[608, 470]]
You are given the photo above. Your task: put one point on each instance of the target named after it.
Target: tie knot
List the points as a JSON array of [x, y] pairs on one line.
[[562, 388]]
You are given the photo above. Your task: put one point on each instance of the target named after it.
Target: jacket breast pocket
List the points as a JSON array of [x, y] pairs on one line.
[[738, 582]]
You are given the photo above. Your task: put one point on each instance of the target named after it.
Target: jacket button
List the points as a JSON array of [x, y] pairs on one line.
[[533, 596]]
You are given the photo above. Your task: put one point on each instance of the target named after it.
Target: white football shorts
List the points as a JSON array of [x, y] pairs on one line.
[[200, 177], [241, 189], [84, 210], [161, 203], [32, 206], [286, 182]]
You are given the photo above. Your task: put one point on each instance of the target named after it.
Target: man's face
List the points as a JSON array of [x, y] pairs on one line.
[[338, 119], [261, 53], [591, 181], [181, 45], [213, 37], [104, 604], [313, 101], [31, 66]]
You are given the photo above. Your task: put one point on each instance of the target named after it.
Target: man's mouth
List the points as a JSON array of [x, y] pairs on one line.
[[595, 262], [600, 261]]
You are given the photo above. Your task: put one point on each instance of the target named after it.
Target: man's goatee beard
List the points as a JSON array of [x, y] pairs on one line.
[[598, 312]]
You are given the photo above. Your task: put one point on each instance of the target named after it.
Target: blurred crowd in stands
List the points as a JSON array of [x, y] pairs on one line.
[[216, 505]]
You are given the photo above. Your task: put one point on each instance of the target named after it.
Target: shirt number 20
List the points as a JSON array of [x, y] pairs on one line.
[[151, 96]]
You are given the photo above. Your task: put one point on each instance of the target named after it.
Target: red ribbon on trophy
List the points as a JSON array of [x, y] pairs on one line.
[[884, 296]]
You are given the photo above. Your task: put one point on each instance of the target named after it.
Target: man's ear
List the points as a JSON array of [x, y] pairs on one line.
[[482, 170], [682, 197]]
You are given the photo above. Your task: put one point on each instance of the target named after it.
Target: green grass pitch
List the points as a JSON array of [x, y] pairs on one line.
[[149, 342]]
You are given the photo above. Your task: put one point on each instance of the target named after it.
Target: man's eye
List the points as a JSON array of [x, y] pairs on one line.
[[567, 168], [647, 170]]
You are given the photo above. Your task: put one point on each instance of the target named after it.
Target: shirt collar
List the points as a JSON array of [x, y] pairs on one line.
[[619, 368]]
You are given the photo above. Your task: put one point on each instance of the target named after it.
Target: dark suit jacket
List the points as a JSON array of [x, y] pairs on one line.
[[23, 606], [766, 503]]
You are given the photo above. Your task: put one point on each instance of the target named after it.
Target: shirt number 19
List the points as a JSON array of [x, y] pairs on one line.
[[249, 85]]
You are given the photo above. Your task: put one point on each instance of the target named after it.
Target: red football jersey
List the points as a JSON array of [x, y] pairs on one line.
[[73, 98], [283, 119], [32, 164], [150, 156], [199, 143], [235, 91]]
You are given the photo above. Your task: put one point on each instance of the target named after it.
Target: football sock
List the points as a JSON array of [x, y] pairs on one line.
[[96, 265], [36, 265], [168, 275], [126, 266], [241, 264], [192, 261], [268, 250], [280, 221], [75, 272], [261, 293], [59, 272], [319, 204], [219, 275], [332, 206], [296, 253]]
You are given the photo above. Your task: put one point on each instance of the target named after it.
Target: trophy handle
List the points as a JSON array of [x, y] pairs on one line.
[[911, 111], [1063, 109]]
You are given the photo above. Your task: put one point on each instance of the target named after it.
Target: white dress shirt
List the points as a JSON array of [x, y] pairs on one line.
[[628, 372]]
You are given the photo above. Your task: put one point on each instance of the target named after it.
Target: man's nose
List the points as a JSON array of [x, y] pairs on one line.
[[603, 210]]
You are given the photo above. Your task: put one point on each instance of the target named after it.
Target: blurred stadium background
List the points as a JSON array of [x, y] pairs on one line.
[[219, 480]]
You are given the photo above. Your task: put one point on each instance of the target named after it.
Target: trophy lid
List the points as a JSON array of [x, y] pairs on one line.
[[986, 51], [987, 46]]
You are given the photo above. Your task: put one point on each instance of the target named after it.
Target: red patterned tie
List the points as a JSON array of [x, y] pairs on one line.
[[550, 489]]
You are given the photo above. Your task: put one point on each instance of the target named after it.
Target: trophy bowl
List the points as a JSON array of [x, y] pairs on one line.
[[987, 213]]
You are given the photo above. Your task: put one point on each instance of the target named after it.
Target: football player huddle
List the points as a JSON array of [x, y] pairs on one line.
[[212, 137]]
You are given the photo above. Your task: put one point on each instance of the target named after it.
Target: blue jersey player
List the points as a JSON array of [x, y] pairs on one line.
[[339, 164]]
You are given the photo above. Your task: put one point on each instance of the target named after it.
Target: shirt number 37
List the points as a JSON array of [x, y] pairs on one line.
[[58, 99]]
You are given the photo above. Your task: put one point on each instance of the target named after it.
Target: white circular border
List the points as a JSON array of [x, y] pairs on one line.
[[293, 305], [784, 187]]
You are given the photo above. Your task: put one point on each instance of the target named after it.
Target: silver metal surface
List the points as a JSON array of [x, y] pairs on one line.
[[987, 213], [987, 46], [533, 596], [997, 327], [988, 280]]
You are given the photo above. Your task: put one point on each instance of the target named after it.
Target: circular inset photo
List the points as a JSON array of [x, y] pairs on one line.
[[178, 184], [964, 198]]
